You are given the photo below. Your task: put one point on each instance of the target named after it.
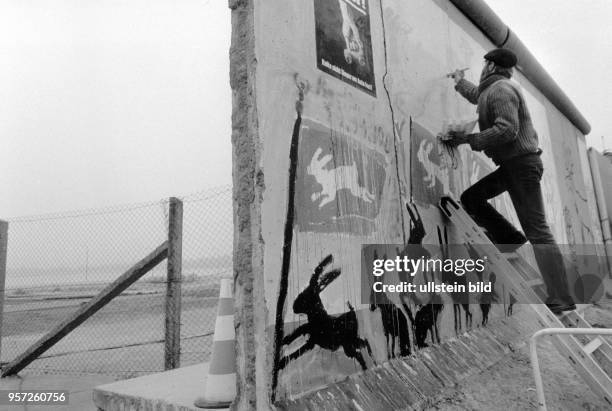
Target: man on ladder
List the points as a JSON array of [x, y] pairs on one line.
[[508, 137]]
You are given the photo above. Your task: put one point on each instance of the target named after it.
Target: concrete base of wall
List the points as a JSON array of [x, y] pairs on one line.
[[402, 383], [416, 381], [174, 390]]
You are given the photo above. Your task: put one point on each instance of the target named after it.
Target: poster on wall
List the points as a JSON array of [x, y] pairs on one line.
[[344, 44]]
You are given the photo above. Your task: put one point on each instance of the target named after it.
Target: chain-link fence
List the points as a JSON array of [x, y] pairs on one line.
[[56, 263]]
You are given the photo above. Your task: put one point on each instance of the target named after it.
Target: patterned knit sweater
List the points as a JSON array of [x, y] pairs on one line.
[[506, 129]]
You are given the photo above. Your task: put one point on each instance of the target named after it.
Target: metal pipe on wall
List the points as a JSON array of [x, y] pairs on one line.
[[500, 34]]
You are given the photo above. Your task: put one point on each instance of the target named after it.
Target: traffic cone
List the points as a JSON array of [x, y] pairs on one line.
[[220, 387]]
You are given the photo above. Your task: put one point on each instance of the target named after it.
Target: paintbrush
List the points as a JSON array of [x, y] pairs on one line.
[[461, 70]]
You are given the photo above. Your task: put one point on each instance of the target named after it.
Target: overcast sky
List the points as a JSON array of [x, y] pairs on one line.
[[572, 39], [118, 101], [107, 102]]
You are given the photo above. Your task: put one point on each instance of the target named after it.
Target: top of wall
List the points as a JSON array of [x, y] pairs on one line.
[[500, 34]]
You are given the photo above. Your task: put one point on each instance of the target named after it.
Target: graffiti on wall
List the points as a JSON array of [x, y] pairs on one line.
[[324, 343], [344, 44], [430, 171], [339, 182], [335, 185], [394, 321], [397, 314], [330, 332], [338, 186]]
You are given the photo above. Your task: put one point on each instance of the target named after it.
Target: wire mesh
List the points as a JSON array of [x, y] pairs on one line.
[[56, 263]]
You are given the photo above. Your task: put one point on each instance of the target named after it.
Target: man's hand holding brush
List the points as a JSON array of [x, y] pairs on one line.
[[457, 75]]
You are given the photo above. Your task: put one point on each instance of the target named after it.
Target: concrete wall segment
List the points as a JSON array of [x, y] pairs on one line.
[[361, 156], [248, 188]]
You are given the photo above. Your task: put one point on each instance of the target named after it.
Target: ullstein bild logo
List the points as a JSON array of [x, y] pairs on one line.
[[432, 287]]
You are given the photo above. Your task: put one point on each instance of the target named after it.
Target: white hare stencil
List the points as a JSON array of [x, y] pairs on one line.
[[335, 179]]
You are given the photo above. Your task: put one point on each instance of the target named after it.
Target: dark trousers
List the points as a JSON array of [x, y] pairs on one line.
[[520, 177]]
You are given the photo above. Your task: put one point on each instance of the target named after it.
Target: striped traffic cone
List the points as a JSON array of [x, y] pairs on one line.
[[220, 387]]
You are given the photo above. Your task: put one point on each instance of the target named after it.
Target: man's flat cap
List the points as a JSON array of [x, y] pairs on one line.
[[502, 57]]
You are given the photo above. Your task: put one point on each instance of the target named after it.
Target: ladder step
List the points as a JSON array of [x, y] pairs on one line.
[[592, 345], [574, 319], [533, 283]]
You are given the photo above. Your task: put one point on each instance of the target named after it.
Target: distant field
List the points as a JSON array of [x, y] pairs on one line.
[[124, 339]]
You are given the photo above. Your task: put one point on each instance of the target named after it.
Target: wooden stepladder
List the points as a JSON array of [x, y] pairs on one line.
[[589, 355]]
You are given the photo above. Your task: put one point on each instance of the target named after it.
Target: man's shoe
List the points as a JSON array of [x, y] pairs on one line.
[[560, 308]]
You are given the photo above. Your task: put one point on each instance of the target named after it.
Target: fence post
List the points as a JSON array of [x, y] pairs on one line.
[[3, 247], [172, 355]]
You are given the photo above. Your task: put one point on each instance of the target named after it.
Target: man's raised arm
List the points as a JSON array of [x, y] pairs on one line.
[[468, 90]]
